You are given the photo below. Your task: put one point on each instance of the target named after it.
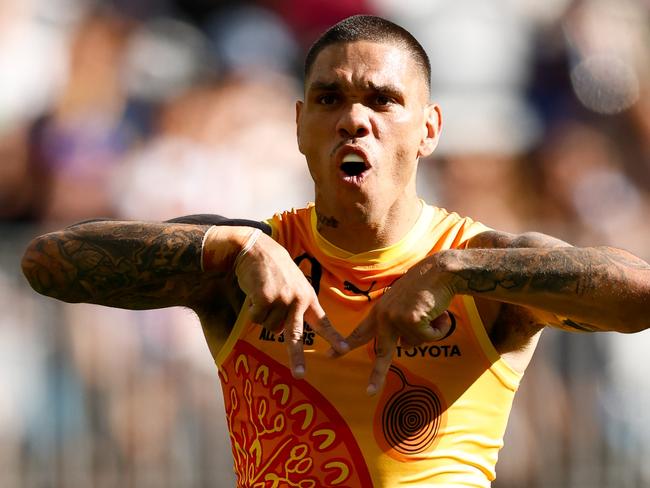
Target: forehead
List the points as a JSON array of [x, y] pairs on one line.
[[361, 62]]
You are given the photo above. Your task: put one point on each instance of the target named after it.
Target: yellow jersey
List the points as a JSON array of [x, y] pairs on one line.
[[440, 417]]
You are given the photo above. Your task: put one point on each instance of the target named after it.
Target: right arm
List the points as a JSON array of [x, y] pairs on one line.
[[138, 265], [132, 265]]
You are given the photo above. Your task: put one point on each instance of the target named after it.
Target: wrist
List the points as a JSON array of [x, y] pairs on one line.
[[222, 245], [446, 265]]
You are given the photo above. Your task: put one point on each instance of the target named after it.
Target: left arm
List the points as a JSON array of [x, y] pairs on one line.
[[595, 288], [503, 240], [598, 288]]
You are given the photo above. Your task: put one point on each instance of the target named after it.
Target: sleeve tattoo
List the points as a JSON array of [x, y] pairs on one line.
[[537, 270], [122, 264]]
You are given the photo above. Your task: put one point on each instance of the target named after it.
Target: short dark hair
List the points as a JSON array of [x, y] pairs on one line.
[[373, 29]]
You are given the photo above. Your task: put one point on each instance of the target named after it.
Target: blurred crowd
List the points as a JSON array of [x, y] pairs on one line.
[[152, 109]]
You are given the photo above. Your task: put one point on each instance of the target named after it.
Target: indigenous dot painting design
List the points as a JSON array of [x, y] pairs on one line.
[[411, 417], [283, 432]]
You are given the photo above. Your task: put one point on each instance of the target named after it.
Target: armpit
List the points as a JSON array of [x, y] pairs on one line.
[[514, 328]]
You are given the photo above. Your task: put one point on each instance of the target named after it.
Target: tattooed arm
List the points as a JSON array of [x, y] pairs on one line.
[[596, 288], [133, 265], [591, 289], [138, 265], [499, 317]]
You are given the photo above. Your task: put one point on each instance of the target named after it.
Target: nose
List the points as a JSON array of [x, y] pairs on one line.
[[354, 121]]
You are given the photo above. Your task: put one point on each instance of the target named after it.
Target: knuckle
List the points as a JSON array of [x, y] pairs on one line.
[[288, 296]]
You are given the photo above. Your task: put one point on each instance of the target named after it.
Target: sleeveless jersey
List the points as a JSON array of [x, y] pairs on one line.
[[441, 416]]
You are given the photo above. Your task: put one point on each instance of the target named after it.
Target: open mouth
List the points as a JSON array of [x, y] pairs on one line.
[[353, 165], [353, 168]]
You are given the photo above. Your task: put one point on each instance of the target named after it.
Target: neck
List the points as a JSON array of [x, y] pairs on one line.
[[361, 227]]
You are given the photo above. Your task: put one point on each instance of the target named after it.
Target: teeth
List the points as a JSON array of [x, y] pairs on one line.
[[353, 158]]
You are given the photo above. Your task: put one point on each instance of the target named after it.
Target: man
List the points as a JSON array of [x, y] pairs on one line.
[[440, 314]]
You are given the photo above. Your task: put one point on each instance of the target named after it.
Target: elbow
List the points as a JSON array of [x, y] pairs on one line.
[[34, 267], [44, 273]]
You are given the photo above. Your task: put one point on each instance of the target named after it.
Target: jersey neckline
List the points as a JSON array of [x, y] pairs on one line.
[[382, 255]]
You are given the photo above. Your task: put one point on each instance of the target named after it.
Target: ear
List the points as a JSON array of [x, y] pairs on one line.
[[431, 130], [299, 105]]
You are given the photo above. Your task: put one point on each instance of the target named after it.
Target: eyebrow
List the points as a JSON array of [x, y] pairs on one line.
[[324, 85], [320, 85], [389, 88]]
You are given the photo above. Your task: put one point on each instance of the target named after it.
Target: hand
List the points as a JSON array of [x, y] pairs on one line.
[[282, 298], [413, 311]]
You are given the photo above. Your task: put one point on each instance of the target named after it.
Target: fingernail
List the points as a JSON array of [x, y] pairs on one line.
[[299, 372], [344, 346], [371, 390]]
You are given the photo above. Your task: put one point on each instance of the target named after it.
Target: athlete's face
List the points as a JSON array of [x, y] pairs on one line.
[[365, 121]]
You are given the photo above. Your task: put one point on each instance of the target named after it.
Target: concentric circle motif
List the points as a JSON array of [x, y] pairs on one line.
[[411, 417]]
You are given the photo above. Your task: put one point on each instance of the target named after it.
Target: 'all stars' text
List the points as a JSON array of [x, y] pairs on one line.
[[307, 336]]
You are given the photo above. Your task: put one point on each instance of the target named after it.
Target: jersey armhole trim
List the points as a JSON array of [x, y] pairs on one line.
[[503, 371], [235, 333]]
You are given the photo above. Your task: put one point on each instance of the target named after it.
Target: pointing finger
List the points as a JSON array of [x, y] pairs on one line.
[[293, 329], [385, 347]]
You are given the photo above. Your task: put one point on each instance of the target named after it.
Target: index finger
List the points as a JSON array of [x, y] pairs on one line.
[[293, 331], [385, 348], [318, 321]]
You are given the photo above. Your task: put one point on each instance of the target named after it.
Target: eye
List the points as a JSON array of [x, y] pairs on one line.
[[327, 99], [383, 100]]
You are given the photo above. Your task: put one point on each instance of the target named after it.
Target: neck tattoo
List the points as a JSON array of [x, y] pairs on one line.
[[325, 221]]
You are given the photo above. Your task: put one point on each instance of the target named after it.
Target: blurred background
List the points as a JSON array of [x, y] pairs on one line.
[[151, 109]]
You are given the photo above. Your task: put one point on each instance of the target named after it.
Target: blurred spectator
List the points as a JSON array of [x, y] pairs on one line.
[[79, 143], [32, 60], [227, 148]]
